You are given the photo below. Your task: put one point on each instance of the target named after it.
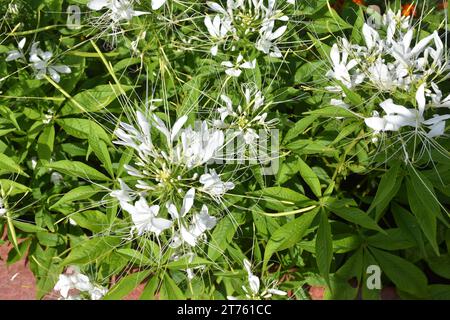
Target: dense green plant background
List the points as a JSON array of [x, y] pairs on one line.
[[366, 208]]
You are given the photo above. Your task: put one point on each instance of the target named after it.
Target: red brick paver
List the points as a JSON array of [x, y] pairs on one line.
[[16, 281]]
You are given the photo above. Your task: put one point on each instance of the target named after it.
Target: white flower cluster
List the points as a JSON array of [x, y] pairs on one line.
[[79, 282], [246, 19], [247, 118], [392, 62], [398, 116], [167, 172], [253, 290], [41, 61], [390, 59], [117, 10]]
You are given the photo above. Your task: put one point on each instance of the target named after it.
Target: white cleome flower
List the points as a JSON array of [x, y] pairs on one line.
[[213, 185], [80, 282], [197, 147], [118, 10], [218, 29], [17, 54], [41, 63], [234, 69], [253, 291], [145, 218]]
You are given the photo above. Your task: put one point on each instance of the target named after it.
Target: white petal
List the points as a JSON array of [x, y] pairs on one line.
[[177, 126], [187, 237], [98, 4], [22, 43], [156, 4], [278, 33], [233, 72], [214, 50], [13, 55], [54, 75], [375, 123], [61, 69], [188, 202], [249, 64], [420, 97]]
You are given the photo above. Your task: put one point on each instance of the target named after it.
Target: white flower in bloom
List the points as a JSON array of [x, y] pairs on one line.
[[118, 10], [398, 116], [41, 63], [145, 217], [17, 54], [253, 291], [78, 281], [213, 185], [197, 147], [342, 68], [234, 69], [247, 118], [266, 42], [391, 58], [437, 98], [250, 19], [218, 29], [124, 194], [188, 202]]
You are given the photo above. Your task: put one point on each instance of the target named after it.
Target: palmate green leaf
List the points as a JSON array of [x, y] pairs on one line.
[[298, 128], [222, 235], [12, 188], [328, 23], [135, 257], [126, 285], [282, 194], [310, 177], [354, 215], [393, 239], [77, 169], [439, 291], [409, 225], [341, 289], [45, 143], [324, 246], [27, 227], [82, 128], [332, 111], [91, 250], [440, 265], [79, 193], [8, 165], [170, 290], [188, 262], [150, 289], [308, 69], [93, 100], [366, 292], [387, 190], [424, 206], [93, 220], [405, 275], [101, 151], [46, 269], [288, 235]]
